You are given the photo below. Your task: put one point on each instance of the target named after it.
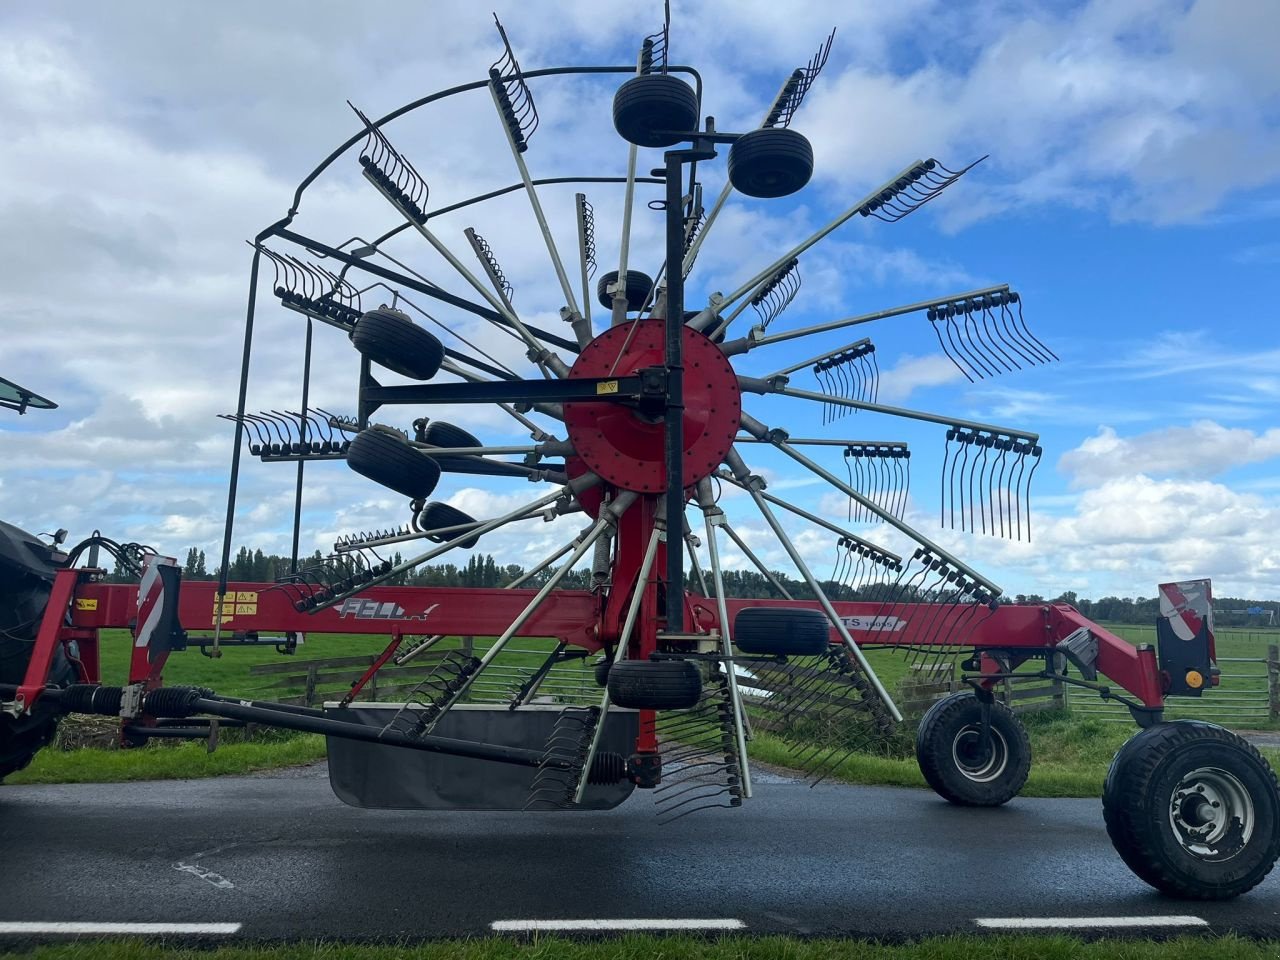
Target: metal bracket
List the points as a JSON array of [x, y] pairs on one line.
[[131, 701], [1081, 648]]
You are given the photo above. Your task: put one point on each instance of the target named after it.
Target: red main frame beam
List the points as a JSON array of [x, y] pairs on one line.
[[574, 616]]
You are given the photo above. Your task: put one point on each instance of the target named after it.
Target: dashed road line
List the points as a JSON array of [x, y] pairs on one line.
[[86, 929], [1086, 923], [635, 923]]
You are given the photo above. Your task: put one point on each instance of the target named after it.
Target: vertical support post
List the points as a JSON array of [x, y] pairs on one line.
[[675, 394], [297, 496], [1273, 680], [235, 451]]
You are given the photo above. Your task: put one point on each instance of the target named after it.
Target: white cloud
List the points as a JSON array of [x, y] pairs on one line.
[[1203, 449]]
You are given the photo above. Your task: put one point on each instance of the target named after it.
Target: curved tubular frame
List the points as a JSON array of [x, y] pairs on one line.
[[280, 225]]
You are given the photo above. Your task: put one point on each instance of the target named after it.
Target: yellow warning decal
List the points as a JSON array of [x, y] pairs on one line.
[[246, 608], [91, 604], [225, 619], [606, 386], [235, 599]]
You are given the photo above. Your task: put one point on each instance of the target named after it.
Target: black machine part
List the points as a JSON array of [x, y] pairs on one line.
[[1187, 664]]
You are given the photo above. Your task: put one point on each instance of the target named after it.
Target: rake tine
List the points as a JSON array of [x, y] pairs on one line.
[[982, 343], [993, 339], [1021, 461], [974, 349], [1010, 335], [1023, 323], [1036, 451], [848, 466], [1010, 323], [960, 459], [934, 316], [956, 332]]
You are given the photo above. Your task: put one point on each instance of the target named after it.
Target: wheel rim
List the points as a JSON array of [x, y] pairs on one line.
[[1211, 814], [972, 761]]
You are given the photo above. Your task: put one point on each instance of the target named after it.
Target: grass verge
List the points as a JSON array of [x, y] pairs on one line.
[[691, 948]]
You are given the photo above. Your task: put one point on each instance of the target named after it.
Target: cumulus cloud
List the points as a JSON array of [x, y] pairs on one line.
[[1203, 449]]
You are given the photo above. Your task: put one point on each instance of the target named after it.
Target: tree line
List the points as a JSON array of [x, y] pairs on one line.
[[482, 570]]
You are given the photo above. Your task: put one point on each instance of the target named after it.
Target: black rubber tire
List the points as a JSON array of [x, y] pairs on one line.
[[655, 684], [437, 514], [21, 738], [441, 434], [774, 631], [601, 670], [948, 732], [654, 102], [637, 289], [770, 162], [385, 457], [390, 339], [1137, 804]]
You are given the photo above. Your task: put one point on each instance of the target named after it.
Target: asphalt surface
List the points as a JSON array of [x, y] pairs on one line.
[[282, 858]]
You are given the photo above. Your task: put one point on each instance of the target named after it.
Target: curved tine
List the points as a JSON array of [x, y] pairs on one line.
[[293, 422], [1021, 461], [1035, 462], [1006, 315], [974, 348], [276, 285], [245, 422], [268, 428], [984, 493], [862, 378], [286, 436], [307, 282], [1003, 490], [994, 338], [1011, 335], [991, 483], [1027, 329], [322, 429], [946, 455], [987, 342], [933, 322], [857, 382], [820, 374], [335, 281], [879, 475], [859, 483], [951, 331], [848, 466], [960, 460], [1006, 479], [974, 502]]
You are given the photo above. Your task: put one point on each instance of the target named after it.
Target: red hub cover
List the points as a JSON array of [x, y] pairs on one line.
[[624, 446]]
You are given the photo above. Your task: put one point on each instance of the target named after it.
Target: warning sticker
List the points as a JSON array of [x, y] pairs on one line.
[[87, 604], [606, 386]]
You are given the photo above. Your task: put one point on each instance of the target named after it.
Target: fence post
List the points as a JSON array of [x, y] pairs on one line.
[[1273, 680], [309, 695], [468, 645], [373, 681]]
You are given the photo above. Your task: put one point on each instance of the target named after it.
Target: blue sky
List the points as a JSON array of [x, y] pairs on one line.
[[1131, 197]]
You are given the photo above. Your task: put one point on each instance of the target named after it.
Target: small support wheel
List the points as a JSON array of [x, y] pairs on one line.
[[385, 457], [441, 434], [390, 339], [655, 110], [778, 631], [770, 162], [655, 684], [436, 515], [636, 290], [1194, 810], [959, 762]]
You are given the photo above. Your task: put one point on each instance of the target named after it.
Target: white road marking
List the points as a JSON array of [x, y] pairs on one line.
[[529, 926], [208, 876], [77, 928], [1085, 923]]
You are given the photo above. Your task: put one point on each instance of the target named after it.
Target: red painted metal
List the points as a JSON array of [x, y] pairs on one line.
[[580, 619], [625, 447], [47, 638]]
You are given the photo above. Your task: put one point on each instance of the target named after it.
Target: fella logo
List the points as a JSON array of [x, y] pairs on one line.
[[373, 610]]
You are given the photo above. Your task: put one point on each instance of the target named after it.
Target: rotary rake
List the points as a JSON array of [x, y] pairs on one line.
[[637, 426]]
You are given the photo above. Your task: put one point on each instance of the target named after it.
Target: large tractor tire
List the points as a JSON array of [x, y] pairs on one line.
[[26, 575], [1194, 810]]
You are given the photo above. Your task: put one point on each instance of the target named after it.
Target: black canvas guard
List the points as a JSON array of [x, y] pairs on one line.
[[393, 778]]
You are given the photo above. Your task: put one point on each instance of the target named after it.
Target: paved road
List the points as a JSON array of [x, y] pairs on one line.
[[280, 857]]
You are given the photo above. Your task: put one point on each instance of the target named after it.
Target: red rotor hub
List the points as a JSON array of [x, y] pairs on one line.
[[626, 447]]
